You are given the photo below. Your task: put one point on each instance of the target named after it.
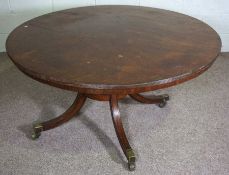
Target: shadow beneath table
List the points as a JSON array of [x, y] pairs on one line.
[[128, 100], [113, 151]]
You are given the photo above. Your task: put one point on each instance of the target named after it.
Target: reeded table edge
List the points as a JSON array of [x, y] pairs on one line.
[[117, 89]]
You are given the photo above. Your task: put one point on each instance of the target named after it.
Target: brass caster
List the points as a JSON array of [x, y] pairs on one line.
[[164, 101], [131, 166], [162, 104], [37, 129], [166, 97], [35, 135], [131, 159]]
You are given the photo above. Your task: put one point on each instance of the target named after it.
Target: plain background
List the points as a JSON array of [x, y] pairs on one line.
[[213, 12]]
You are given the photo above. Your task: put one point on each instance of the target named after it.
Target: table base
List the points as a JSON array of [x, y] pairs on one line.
[[160, 100]]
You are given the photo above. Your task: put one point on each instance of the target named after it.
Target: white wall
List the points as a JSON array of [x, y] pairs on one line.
[[213, 12]]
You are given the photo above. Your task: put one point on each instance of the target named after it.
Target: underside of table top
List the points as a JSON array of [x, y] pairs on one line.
[[113, 49]]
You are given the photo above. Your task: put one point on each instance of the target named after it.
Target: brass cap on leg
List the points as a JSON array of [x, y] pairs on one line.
[[131, 159]]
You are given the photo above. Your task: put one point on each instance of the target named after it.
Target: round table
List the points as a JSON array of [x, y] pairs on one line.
[[108, 52]]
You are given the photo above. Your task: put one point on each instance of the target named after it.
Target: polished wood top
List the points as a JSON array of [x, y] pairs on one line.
[[113, 49]]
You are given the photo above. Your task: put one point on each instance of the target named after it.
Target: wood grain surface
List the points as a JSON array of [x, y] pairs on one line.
[[113, 49]]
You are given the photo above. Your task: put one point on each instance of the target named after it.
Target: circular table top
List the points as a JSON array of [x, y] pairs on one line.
[[113, 49]]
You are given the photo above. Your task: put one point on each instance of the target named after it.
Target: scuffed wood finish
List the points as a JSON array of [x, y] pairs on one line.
[[108, 52], [113, 49], [115, 113]]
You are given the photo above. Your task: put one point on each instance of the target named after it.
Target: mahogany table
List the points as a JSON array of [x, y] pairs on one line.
[[108, 52]]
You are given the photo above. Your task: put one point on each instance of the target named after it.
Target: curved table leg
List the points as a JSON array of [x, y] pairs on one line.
[[66, 116], [161, 100], [115, 113]]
